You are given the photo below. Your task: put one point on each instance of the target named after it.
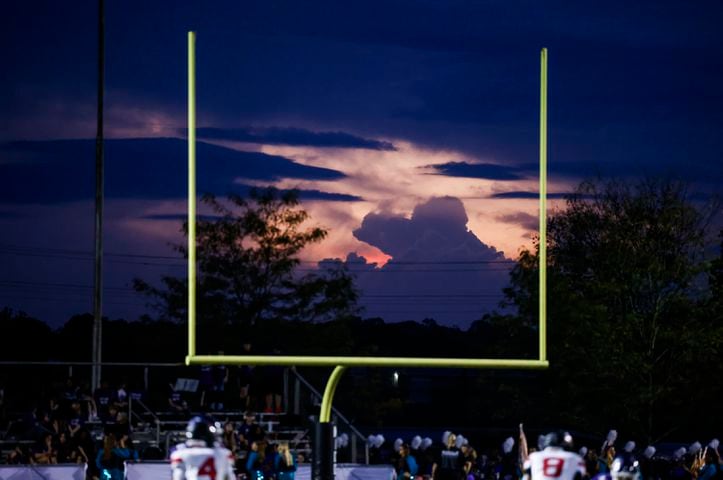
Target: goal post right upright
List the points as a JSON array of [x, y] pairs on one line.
[[542, 256]]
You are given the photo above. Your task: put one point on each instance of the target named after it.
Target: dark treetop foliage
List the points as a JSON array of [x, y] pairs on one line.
[[247, 259], [632, 337]]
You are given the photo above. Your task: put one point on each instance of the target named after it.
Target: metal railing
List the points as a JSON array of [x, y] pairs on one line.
[[342, 423]]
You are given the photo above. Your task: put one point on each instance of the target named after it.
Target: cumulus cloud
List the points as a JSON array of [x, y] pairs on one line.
[[437, 229], [439, 269]]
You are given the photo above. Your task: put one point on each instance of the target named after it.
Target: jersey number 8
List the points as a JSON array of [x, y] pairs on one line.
[[552, 467]]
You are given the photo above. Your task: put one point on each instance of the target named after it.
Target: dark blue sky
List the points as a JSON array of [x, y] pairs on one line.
[[374, 109]]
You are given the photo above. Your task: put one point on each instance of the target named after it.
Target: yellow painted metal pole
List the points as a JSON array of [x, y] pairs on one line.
[[329, 391], [543, 206], [191, 195], [319, 361]]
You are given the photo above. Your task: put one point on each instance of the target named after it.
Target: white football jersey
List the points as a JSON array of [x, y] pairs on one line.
[[202, 463], [554, 464]]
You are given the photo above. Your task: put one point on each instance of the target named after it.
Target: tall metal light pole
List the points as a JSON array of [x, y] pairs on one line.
[[98, 272]]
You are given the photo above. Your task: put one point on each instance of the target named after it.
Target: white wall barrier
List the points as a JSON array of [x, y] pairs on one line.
[[42, 472], [162, 471], [148, 471]]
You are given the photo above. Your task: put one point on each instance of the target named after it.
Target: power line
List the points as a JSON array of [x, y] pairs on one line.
[[39, 251]]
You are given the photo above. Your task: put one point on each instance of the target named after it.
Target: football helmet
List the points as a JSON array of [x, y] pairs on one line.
[[203, 429], [625, 467], [559, 438]]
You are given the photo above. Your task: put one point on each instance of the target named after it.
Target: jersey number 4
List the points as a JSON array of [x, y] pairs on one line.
[[552, 467], [208, 469]]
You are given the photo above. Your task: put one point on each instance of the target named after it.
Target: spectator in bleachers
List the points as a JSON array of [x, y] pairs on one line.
[[3, 411], [709, 466], [219, 378], [469, 455], [238, 388], [86, 451], [111, 421], [284, 462], [123, 425], [591, 462], [271, 384], [120, 396], [42, 424], [230, 438], [406, 465], [251, 430], [245, 379], [103, 397], [58, 426], [137, 393], [69, 393], [205, 386], [54, 407], [605, 460], [88, 405], [44, 452], [176, 401], [108, 460], [67, 451], [111, 457], [19, 455], [449, 463], [257, 464], [75, 419]]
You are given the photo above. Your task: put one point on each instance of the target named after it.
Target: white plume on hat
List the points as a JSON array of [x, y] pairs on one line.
[[508, 444], [460, 440], [629, 447], [370, 440], [398, 443], [416, 442], [679, 453], [694, 448], [582, 451], [426, 443], [341, 441], [714, 444], [649, 452], [445, 436], [379, 440]]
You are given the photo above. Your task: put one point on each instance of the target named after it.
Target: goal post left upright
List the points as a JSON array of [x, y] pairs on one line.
[[191, 196]]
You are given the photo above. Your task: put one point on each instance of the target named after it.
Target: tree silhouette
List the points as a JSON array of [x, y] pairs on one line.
[[247, 263], [626, 328]]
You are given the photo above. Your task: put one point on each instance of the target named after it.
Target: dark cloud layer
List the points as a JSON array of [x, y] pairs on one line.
[[63, 170], [527, 195], [439, 268], [527, 221], [476, 170], [292, 136]]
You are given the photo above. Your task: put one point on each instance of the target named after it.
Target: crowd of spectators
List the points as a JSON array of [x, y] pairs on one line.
[[456, 459], [257, 457], [71, 425]]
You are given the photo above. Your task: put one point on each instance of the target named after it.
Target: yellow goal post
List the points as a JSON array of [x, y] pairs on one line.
[[340, 363]]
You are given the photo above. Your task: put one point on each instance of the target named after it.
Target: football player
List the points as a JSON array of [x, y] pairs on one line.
[[201, 457], [554, 461]]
